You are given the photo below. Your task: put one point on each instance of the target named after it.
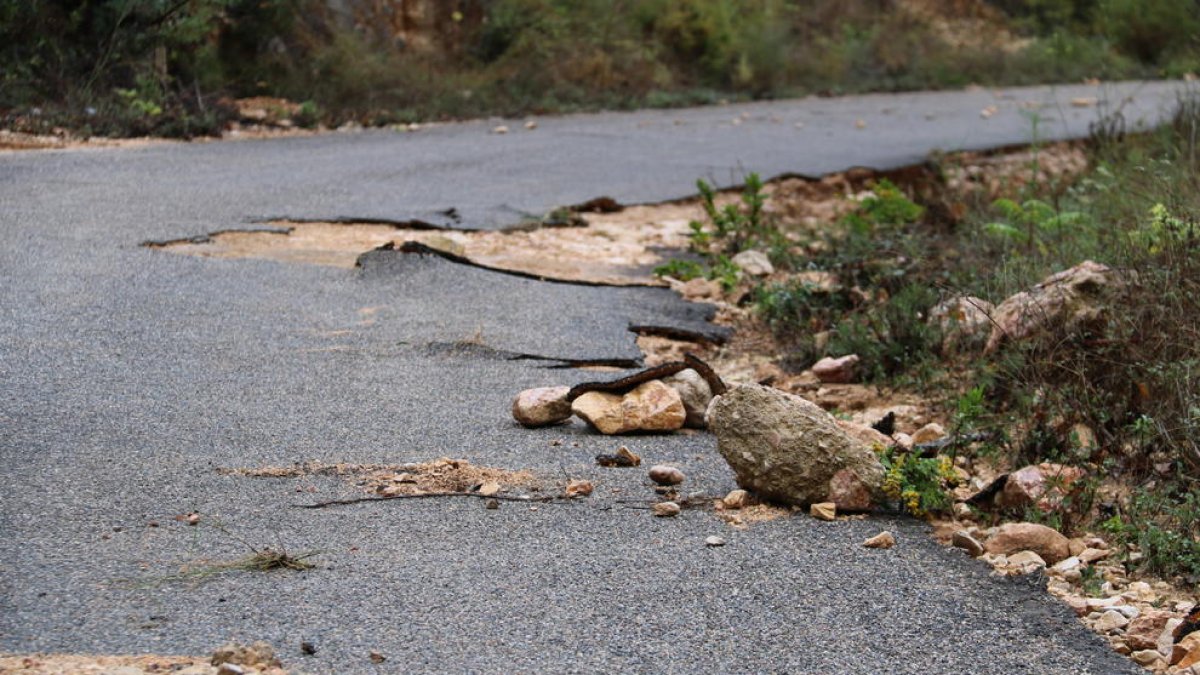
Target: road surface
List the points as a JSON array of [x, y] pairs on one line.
[[129, 376]]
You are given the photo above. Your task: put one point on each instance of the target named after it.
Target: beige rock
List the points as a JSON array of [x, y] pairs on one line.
[[786, 449], [652, 406], [695, 394], [754, 263], [666, 509], [841, 370], [1091, 555], [1146, 657], [929, 433], [966, 542], [1077, 604], [736, 499], [1083, 438], [1026, 561], [714, 541], [602, 410], [666, 475], [699, 289], [884, 539], [1145, 630], [1046, 542], [823, 511], [1110, 621], [542, 406], [1166, 640], [1067, 302]]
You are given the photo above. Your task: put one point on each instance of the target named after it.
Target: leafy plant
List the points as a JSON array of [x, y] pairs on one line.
[[1032, 224], [917, 484]]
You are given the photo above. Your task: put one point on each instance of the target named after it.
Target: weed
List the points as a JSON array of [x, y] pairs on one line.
[[917, 484]]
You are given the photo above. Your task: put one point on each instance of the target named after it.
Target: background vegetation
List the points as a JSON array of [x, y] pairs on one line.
[[1130, 377], [161, 66]]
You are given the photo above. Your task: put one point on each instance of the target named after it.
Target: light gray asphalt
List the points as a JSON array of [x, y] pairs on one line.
[[128, 376]]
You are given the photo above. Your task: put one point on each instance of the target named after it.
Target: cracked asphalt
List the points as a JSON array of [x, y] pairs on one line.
[[128, 376]]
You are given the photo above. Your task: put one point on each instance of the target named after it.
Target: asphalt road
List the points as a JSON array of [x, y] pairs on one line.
[[128, 376]]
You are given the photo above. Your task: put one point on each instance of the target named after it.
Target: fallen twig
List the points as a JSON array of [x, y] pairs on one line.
[[426, 495]]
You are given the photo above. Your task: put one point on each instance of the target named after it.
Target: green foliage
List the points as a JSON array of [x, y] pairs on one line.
[[1151, 30], [1164, 526], [730, 229], [684, 270], [917, 485], [886, 207], [891, 338], [1035, 224]]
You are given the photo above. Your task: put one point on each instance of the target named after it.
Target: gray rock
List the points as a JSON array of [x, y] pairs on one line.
[[696, 395], [786, 449]]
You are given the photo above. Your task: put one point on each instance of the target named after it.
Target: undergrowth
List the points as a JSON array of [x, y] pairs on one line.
[[1122, 371], [120, 67]]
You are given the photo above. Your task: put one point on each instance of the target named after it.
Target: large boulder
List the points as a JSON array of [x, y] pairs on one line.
[[1070, 301], [786, 449], [653, 406]]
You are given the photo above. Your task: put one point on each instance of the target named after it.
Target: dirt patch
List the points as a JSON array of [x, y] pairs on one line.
[[15, 141], [612, 248], [750, 515], [441, 475], [73, 664]]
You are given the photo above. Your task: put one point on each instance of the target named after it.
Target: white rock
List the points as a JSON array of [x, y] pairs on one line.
[[714, 541], [754, 263]]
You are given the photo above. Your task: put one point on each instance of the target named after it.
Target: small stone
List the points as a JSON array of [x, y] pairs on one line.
[[714, 541], [1091, 555], [1026, 561], [929, 433], [666, 475], [841, 370], [695, 393], [966, 542], [754, 263], [542, 406], [307, 648], [736, 499], [1146, 657], [884, 539], [963, 511], [489, 488], [666, 509], [531, 125], [1144, 631], [230, 669], [1110, 621], [578, 488], [823, 511], [376, 657], [1067, 564], [492, 504], [623, 457], [193, 519], [501, 129]]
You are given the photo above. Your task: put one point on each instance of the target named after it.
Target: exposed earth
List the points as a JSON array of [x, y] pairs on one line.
[[162, 413]]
